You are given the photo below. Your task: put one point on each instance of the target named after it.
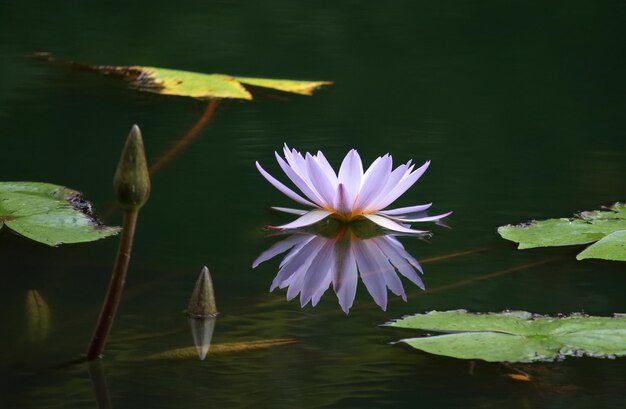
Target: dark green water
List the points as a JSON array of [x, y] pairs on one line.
[[519, 106]]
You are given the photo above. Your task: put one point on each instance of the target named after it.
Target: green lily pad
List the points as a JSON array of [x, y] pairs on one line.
[[611, 247], [516, 336], [49, 214], [585, 228]]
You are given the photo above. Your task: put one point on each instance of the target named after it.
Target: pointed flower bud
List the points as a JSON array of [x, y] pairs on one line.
[[202, 302], [132, 179]]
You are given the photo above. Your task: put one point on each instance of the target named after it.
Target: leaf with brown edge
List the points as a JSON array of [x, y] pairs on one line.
[[49, 214], [166, 81]]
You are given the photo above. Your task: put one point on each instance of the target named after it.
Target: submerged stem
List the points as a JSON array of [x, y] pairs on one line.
[[188, 137], [116, 285]]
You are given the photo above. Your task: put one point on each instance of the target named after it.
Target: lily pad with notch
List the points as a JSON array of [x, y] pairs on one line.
[[49, 214], [605, 228], [516, 336]]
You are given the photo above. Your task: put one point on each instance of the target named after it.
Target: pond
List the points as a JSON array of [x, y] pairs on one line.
[[519, 108]]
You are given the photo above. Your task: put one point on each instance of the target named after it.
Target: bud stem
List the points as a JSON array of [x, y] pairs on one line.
[[116, 285], [132, 187]]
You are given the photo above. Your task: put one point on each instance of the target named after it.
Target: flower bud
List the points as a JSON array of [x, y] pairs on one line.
[[202, 302], [132, 179]]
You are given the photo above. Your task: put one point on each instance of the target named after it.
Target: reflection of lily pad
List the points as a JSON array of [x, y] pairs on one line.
[[516, 336], [49, 214], [606, 227], [37, 317]]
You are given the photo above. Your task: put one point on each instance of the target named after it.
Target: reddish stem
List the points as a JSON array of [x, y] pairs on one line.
[[188, 137], [114, 293]]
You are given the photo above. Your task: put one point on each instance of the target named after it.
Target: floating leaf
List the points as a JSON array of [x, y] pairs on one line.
[[190, 84], [516, 336], [37, 317], [585, 228], [204, 86], [192, 352], [611, 247], [295, 87], [49, 214]]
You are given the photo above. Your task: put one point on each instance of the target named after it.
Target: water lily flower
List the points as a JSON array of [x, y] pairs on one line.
[[351, 194], [338, 257]]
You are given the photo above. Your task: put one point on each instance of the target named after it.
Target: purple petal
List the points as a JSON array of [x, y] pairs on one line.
[[403, 186], [389, 224], [420, 219], [350, 174], [341, 203], [406, 210], [326, 280], [345, 276], [387, 270], [284, 189], [290, 157], [398, 260], [298, 263], [373, 183], [394, 178], [326, 168], [302, 184], [319, 181], [309, 218], [307, 238], [317, 273], [297, 163], [322, 289], [296, 282], [370, 274], [372, 166], [278, 248], [295, 285], [299, 212], [401, 250]]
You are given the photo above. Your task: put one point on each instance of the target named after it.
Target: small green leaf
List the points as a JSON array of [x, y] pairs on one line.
[[611, 247], [512, 322], [516, 336], [488, 346], [585, 228], [49, 214]]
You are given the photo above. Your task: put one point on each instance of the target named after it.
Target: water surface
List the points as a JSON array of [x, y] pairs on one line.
[[519, 108]]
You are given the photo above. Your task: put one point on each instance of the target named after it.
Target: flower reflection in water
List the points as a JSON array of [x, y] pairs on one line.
[[338, 253]]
